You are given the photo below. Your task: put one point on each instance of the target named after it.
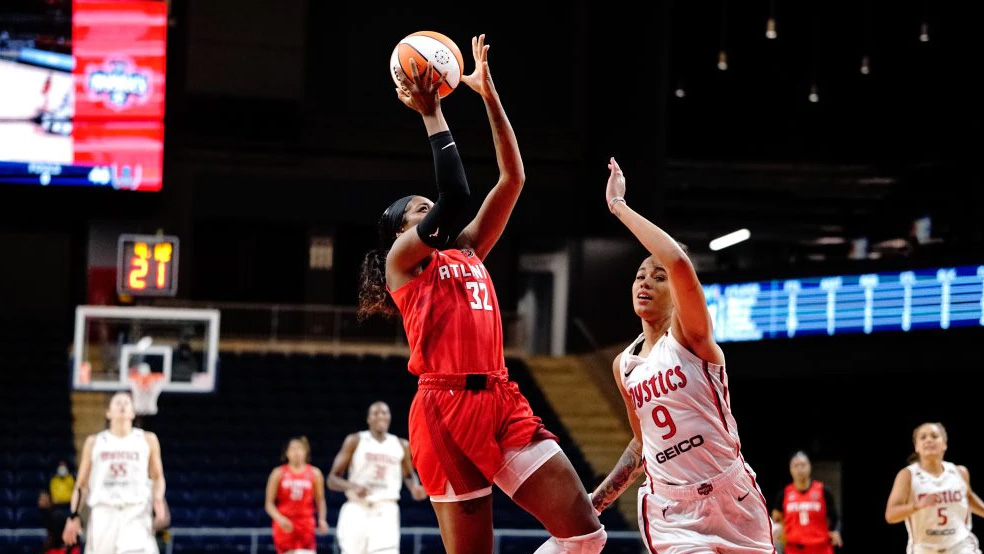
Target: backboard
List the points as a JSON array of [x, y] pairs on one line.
[[113, 342]]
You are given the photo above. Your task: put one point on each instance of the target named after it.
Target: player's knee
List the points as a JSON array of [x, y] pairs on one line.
[[592, 543]]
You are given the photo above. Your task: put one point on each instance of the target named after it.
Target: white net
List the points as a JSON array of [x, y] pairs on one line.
[[145, 390]]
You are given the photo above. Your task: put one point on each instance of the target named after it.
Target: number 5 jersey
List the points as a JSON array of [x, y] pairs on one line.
[[947, 521]]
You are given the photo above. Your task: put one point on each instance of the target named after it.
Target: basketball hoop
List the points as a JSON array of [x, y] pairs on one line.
[[145, 389]]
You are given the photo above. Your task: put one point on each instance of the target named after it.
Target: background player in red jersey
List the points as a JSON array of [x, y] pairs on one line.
[[807, 511], [469, 425], [292, 491]]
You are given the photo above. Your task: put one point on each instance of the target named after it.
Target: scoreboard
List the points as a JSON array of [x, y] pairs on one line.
[[937, 298]]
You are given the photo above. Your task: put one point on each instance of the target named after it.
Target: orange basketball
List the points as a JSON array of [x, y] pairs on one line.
[[427, 46]]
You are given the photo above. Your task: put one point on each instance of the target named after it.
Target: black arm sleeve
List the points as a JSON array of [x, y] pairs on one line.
[[833, 517], [778, 503], [441, 226]]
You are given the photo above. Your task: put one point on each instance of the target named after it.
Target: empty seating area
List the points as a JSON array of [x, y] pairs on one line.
[[35, 424]]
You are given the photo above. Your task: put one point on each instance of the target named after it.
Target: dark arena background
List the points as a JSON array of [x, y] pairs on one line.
[[189, 187]]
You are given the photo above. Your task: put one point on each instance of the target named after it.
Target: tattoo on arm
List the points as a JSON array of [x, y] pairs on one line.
[[624, 473]]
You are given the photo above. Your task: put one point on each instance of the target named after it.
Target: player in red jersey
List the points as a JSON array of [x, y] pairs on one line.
[[292, 491], [807, 512], [469, 425]]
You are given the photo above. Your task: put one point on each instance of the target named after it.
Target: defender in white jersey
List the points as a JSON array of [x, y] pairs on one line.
[[699, 496], [377, 464], [121, 478], [934, 499]]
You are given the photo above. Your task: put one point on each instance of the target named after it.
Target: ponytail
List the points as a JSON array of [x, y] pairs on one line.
[[373, 297]]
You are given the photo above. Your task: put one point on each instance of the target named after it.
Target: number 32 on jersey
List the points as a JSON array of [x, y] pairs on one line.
[[480, 295]]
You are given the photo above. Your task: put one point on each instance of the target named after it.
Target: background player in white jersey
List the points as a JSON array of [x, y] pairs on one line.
[[700, 496], [377, 463], [934, 499], [121, 477]]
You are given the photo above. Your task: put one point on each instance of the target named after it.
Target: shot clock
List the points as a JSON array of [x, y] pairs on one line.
[[147, 265]]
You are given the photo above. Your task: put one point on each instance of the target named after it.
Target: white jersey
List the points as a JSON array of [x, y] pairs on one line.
[[377, 466], [682, 402], [945, 523], [119, 475]]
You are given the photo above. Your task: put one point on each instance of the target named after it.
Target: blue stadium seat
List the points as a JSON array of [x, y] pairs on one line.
[[184, 517], [237, 517], [28, 544], [27, 517], [192, 544], [265, 545], [35, 479], [26, 497], [212, 517]]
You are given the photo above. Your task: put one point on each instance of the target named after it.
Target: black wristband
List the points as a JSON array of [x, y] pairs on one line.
[[75, 515]]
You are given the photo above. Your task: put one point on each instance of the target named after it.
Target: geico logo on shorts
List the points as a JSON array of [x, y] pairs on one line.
[[679, 448], [940, 532]]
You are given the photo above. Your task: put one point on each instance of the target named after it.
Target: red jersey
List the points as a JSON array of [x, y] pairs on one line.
[[805, 515], [295, 493], [451, 317]]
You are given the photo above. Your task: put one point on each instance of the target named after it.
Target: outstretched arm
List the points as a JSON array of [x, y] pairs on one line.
[[630, 465], [443, 221], [484, 231], [691, 322]]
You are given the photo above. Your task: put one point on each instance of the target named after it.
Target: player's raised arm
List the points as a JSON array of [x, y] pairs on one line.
[[441, 221], [484, 231], [692, 322]]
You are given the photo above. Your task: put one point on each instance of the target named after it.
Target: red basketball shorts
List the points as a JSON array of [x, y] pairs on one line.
[[460, 425]]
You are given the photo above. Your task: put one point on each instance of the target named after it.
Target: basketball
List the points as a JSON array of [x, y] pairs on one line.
[[427, 46]]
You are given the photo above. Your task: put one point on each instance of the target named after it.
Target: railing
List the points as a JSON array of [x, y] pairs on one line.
[[417, 533], [286, 323]]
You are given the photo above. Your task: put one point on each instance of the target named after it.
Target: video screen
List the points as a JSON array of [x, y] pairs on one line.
[[82, 93]]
